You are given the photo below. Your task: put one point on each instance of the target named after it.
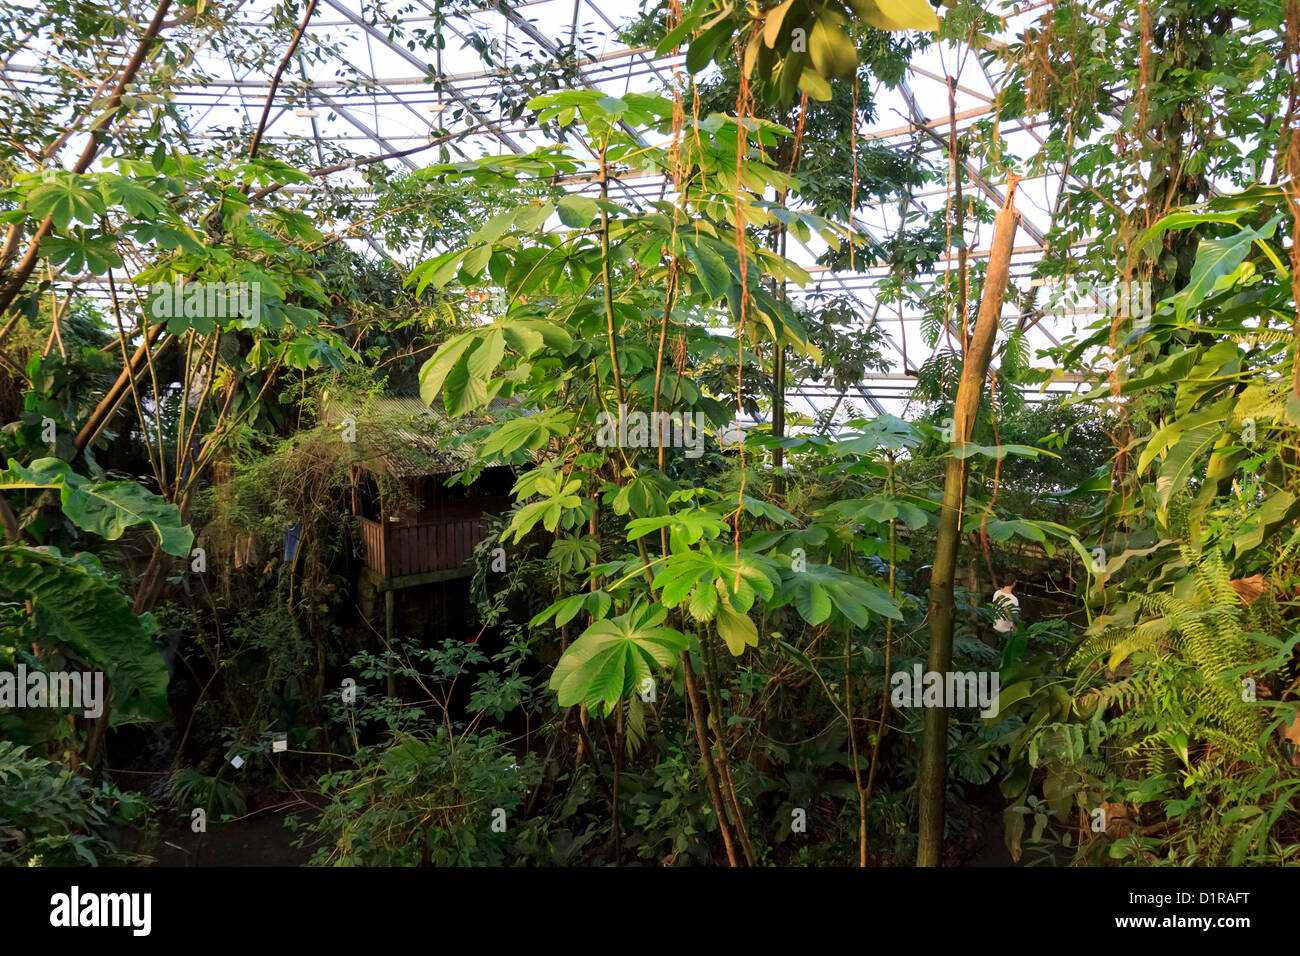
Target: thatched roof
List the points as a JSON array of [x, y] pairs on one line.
[[405, 438]]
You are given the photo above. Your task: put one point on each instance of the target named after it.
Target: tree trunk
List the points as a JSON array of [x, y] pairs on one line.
[[977, 353]]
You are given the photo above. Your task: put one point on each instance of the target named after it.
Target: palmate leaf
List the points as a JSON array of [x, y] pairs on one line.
[[883, 431], [881, 508], [812, 602], [460, 371], [107, 508], [532, 431], [74, 604], [821, 587], [765, 509], [81, 253], [549, 511], [462, 390], [613, 657], [743, 581], [688, 526], [139, 201], [65, 199], [165, 236], [313, 351], [710, 267], [435, 371]]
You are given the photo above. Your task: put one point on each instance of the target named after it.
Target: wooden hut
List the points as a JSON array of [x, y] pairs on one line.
[[416, 530]]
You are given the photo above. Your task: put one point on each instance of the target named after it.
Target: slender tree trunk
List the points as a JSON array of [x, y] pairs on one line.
[[620, 746], [710, 772], [724, 763], [103, 412], [977, 353]]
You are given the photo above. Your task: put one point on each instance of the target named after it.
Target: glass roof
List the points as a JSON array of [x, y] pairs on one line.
[[366, 79]]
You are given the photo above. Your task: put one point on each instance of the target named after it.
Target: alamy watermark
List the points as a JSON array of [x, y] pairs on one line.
[[952, 689], [218, 300], [75, 690], [655, 430], [1071, 296], [77, 909]]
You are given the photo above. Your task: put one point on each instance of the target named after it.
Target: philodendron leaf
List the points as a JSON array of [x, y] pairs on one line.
[[1177, 467], [613, 657], [1215, 259], [107, 508], [75, 604]]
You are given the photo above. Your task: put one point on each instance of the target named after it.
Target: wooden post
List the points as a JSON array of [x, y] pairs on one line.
[[389, 606]]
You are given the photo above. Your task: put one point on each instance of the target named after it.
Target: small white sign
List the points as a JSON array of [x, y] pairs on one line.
[[279, 743]]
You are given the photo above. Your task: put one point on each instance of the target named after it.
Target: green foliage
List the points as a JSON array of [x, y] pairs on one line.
[[791, 45], [80, 613], [106, 508], [416, 802], [1178, 694], [612, 657], [220, 799], [50, 816]]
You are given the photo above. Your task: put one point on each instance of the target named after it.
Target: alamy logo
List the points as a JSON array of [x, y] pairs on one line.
[[75, 690], [218, 300], [1081, 296], [74, 908], [656, 430], [959, 689]]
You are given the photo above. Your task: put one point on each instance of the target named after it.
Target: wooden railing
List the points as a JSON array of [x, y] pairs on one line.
[[398, 550]]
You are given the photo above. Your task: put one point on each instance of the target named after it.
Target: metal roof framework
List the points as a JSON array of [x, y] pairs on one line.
[[382, 98]]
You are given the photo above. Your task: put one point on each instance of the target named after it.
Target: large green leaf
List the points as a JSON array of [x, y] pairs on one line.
[[1267, 518], [137, 198], [66, 198], [577, 212], [1216, 258], [897, 14], [75, 604], [1000, 451], [851, 596], [812, 602], [613, 657], [744, 580], [1181, 220], [830, 47], [82, 253], [435, 372], [1177, 467], [735, 627], [530, 431], [710, 267], [883, 431], [106, 508]]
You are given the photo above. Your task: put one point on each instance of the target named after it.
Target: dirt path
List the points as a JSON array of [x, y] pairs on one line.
[[258, 840]]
